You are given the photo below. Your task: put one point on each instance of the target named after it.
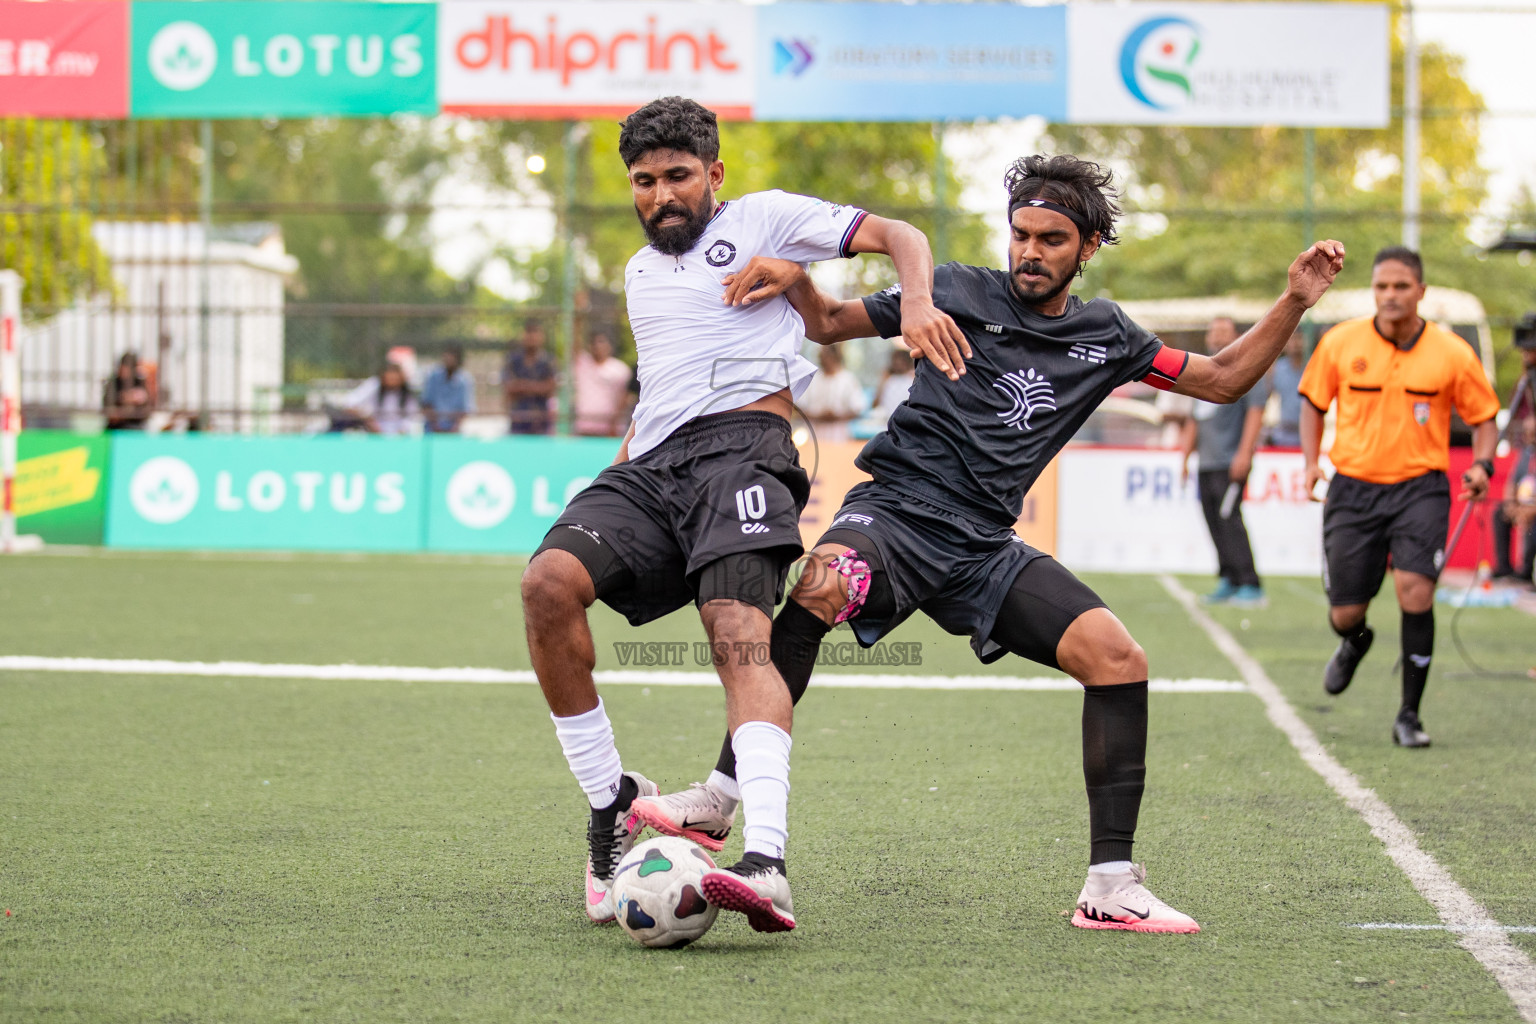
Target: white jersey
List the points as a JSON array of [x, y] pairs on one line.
[[698, 356]]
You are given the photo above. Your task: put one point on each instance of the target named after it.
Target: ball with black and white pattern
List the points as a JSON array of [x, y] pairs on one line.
[[657, 892]]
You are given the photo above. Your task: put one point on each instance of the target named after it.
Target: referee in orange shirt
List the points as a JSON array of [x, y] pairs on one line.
[[1395, 377]]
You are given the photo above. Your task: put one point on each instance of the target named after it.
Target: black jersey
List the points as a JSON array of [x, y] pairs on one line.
[[976, 445]]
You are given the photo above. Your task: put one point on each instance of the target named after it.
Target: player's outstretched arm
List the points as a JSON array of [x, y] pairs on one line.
[[1227, 376], [925, 328], [829, 320]]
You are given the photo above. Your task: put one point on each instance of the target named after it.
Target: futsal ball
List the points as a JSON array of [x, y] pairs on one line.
[[657, 891]]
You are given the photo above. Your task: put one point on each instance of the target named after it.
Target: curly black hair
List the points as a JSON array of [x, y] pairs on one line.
[[672, 122], [1080, 185]]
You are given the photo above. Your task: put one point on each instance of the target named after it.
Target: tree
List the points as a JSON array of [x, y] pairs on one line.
[[1234, 199], [45, 227]]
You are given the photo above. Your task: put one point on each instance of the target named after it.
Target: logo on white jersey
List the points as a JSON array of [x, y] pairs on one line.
[[752, 503], [1088, 353], [720, 253], [1030, 392]]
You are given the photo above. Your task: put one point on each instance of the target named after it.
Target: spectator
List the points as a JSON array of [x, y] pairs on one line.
[[602, 389], [449, 393], [1517, 512], [529, 382], [895, 382], [1284, 377], [834, 397], [126, 399], [1225, 437], [385, 404]]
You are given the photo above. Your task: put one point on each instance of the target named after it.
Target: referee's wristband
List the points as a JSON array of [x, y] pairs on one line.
[[1487, 465]]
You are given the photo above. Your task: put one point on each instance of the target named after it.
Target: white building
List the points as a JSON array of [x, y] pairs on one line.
[[226, 358]]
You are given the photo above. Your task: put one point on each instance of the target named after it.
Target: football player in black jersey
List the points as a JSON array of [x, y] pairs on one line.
[[933, 530]]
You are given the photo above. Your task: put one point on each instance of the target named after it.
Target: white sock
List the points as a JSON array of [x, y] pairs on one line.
[[762, 773], [724, 783], [587, 740], [1105, 878]]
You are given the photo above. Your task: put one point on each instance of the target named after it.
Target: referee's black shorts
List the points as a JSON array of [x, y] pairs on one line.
[[711, 512], [1363, 523]]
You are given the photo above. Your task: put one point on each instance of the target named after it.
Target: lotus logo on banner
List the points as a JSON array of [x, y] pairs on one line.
[[163, 490], [1157, 60], [481, 494], [182, 55]]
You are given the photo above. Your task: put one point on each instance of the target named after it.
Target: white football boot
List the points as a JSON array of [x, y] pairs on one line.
[[700, 814], [1129, 907], [759, 890], [609, 838]]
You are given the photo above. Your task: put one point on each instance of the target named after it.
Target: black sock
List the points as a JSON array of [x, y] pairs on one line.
[[1114, 766], [793, 646], [628, 790], [1353, 635], [1418, 648]]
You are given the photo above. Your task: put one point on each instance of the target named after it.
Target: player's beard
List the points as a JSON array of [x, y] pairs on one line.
[[1033, 295], [676, 239]]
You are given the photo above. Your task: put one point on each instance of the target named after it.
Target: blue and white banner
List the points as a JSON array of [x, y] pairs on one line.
[[898, 62], [1297, 64]]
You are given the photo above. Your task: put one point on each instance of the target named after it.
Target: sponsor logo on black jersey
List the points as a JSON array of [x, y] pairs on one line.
[[1088, 353], [720, 253], [1030, 393]]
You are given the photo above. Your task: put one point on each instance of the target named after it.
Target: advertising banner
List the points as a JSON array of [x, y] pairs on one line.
[[304, 493], [61, 486], [504, 495], [64, 59], [249, 58], [1228, 64], [922, 62], [604, 58], [1127, 510]]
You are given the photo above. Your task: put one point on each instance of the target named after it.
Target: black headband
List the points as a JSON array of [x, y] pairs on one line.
[[1045, 204]]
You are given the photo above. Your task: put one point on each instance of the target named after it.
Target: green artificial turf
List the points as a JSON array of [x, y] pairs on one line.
[[178, 849]]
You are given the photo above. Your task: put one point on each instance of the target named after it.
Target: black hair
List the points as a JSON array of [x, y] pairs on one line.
[[1081, 186], [533, 323], [672, 122], [405, 390], [454, 349], [1404, 255]]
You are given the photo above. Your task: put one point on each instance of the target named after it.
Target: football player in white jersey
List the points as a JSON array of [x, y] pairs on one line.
[[703, 503]]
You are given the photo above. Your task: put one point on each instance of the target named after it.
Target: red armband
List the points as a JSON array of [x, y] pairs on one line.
[[1166, 367]]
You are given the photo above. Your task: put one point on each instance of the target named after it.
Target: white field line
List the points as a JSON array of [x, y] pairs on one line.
[[402, 674], [1481, 935], [1394, 926]]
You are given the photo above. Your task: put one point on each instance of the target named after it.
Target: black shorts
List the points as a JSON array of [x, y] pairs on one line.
[[1364, 522], [958, 572], [723, 485]]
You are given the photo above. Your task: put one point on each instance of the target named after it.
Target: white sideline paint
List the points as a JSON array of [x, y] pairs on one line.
[[1481, 935], [401, 674], [1393, 926]]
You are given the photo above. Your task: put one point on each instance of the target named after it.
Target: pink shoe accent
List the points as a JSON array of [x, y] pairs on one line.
[[855, 573], [643, 814], [1166, 927], [728, 891], [595, 898]]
